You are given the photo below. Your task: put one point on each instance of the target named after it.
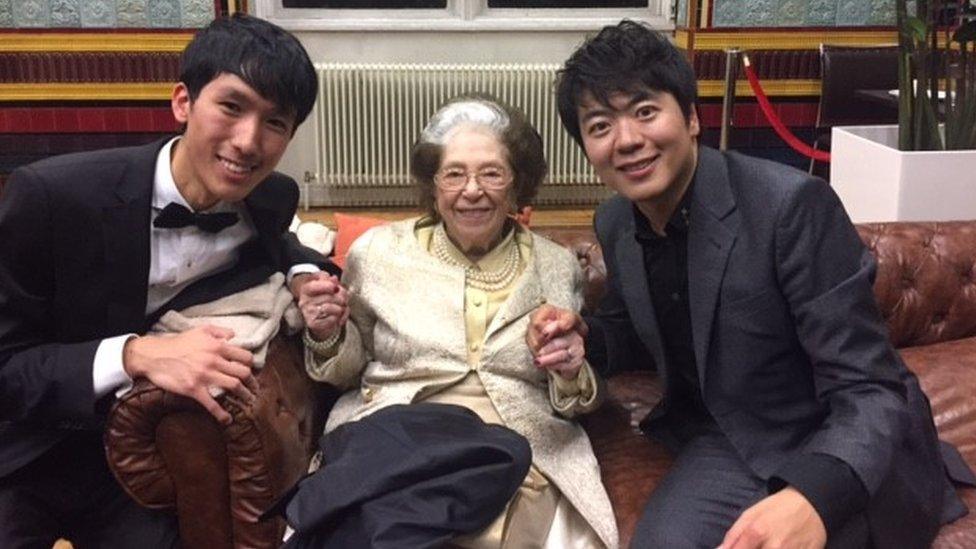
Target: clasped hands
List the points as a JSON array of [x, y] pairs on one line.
[[555, 338], [324, 303], [785, 519]]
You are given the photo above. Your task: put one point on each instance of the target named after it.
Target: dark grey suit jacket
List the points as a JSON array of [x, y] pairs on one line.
[[792, 354], [74, 269]]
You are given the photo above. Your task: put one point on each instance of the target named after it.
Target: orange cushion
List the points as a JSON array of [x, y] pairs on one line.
[[348, 228]]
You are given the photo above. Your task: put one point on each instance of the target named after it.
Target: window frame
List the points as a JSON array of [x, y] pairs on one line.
[[463, 15]]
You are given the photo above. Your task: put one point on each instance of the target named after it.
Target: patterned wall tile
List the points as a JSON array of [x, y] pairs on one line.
[[6, 14], [762, 13], [791, 13], [882, 12], [65, 13], [815, 13], [728, 13], [197, 13], [98, 14], [164, 13], [132, 13], [853, 12], [31, 14], [821, 13]]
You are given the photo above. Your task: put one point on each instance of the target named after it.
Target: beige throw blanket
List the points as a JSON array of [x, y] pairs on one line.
[[254, 315]]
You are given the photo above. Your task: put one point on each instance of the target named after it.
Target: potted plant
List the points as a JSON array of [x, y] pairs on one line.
[[924, 169]]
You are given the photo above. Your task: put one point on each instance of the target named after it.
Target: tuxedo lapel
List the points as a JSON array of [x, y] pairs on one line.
[[711, 236], [629, 257], [125, 233], [265, 223]]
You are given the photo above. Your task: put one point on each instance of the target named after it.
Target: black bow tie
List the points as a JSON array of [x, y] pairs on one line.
[[175, 216]]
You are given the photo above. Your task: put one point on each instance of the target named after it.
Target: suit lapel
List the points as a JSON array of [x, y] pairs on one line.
[[629, 258], [710, 240], [125, 233]]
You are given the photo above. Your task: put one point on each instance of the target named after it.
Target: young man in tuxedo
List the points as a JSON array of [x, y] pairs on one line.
[[743, 282], [95, 246]]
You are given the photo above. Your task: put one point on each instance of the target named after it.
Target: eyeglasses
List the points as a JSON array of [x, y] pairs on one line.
[[452, 179]]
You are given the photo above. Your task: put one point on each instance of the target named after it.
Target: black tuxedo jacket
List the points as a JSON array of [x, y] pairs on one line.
[[74, 268], [792, 354]]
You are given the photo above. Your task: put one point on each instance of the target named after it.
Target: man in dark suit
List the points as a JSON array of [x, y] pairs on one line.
[[95, 246], [794, 421]]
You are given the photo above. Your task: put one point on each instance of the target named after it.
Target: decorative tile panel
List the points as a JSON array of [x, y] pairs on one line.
[[882, 12], [65, 13], [98, 14], [105, 14], [821, 13], [164, 13], [853, 12], [6, 14], [729, 13], [803, 13], [197, 13], [791, 13], [132, 13], [31, 14]]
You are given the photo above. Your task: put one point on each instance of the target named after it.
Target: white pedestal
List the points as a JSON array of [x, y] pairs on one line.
[[877, 182]]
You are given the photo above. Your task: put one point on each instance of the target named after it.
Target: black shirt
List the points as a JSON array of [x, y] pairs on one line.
[[666, 268], [828, 483]]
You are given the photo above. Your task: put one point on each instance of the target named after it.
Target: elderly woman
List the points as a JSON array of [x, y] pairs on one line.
[[438, 309]]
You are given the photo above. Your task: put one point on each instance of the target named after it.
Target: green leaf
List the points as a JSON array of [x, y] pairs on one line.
[[918, 28]]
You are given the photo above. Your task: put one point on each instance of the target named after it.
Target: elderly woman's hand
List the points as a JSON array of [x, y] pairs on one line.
[[324, 303], [555, 338], [563, 355]]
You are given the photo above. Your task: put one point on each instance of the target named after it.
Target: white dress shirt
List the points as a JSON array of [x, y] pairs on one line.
[[178, 258]]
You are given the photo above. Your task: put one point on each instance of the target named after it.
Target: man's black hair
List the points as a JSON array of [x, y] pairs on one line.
[[628, 57], [264, 55]]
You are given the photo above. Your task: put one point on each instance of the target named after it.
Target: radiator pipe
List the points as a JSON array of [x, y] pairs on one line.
[[728, 100]]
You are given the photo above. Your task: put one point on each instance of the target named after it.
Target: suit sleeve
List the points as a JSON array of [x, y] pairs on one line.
[[292, 251], [826, 275], [585, 393], [40, 378], [612, 345]]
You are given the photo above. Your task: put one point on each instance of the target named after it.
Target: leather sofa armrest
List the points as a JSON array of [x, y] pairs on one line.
[[167, 452]]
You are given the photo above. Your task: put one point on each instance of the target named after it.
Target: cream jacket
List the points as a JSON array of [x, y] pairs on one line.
[[406, 340]]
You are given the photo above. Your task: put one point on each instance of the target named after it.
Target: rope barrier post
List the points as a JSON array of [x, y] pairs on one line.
[[728, 100]]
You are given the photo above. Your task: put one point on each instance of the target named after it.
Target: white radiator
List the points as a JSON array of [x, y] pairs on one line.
[[368, 116]]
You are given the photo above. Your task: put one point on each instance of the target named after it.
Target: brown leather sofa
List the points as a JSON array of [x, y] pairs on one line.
[[169, 454]]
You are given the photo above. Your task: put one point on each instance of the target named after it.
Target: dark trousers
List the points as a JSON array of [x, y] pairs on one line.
[[703, 495], [408, 477], [70, 493]]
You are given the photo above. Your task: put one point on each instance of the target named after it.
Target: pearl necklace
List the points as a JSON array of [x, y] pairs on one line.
[[489, 281]]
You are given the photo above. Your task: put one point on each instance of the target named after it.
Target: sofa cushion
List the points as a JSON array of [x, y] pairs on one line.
[[947, 373]]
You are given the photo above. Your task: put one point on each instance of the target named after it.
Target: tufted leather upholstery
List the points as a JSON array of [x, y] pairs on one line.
[[168, 453]]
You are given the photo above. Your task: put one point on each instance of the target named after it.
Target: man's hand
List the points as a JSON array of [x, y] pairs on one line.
[[193, 363], [299, 280], [555, 338], [324, 303], [784, 519]]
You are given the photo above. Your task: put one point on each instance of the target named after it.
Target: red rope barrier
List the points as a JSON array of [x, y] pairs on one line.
[[781, 130]]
